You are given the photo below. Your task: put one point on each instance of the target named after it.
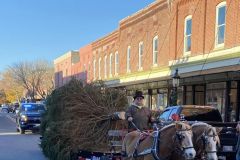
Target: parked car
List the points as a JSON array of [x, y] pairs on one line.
[[210, 115], [28, 117], [5, 108]]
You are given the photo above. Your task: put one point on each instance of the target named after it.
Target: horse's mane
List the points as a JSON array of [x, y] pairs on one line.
[[205, 124], [168, 126], [173, 125], [199, 124]]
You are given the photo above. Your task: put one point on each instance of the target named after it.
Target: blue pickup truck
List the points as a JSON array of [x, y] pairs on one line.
[[212, 116], [29, 117]]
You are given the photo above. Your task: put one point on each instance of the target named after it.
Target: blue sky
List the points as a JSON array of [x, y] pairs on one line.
[[46, 29]]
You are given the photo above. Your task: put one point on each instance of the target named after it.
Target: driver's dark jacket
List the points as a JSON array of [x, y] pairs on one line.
[[141, 117]]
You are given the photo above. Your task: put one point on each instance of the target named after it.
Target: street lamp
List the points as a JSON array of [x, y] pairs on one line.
[[175, 83]]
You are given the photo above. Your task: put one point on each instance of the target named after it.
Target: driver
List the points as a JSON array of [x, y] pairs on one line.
[[139, 119], [138, 116]]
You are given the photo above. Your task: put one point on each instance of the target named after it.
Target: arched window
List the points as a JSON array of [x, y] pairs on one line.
[[188, 35], [155, 51], [220, 24]]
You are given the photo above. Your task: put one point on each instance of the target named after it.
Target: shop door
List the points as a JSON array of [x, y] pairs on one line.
[[232, 109]]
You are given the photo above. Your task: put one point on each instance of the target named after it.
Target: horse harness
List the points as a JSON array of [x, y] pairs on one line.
[[205, 140], [205, 137], [178, 137]]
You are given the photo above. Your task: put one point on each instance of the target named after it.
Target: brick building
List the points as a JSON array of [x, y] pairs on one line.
[[63, 67], [199, 37]]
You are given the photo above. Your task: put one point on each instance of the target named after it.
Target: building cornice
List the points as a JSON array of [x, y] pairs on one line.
[[106, 39], [142, 14], [65, 56]]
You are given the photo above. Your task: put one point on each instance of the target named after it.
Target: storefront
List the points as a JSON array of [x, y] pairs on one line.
[[221, 90]]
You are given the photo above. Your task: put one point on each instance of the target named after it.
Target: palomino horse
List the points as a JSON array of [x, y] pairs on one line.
[[160, 144], [205, 140]]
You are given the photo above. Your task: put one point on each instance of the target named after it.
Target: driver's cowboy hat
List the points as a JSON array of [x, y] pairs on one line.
[[138, 94]]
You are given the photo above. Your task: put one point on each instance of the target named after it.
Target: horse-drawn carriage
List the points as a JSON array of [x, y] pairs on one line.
[[176, 140]]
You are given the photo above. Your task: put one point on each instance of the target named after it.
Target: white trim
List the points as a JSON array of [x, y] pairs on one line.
[[94, 69], [155, 52], [88, 70], [105, 66], [222, 4], [110, 65], [214, 54], [140, 56], [186, 53], [116, 63], [99, 68]]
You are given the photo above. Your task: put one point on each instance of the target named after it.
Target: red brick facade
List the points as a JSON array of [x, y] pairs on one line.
[[206, 62], [166, 22]]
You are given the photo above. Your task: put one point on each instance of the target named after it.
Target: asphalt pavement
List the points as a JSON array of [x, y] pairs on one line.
[[13, 145]]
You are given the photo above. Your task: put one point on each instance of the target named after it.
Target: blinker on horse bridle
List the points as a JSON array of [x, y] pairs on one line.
[[204, 138], [180, 138]]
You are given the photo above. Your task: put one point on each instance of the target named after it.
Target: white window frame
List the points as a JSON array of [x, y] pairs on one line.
[[128, 59], [116, 63], [105, 66], [222, 4], [110, 65], [185, 51], [155, 52], [140, 55], [99, 68], [94, 69], [88, 71]]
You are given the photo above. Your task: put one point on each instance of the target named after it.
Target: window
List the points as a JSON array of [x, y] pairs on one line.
[[99, 68], [187, 35], [110, 65], [94, 69], [105, 66], [140, 55], [155, 50], [128, 58], [116, 63], [88, 73], [220, 24]]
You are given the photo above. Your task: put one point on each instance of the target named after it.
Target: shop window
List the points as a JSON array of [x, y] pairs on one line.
[[189, 95], [215, 96], [232, 109], [180, 96], [162, 99], [199, 95]]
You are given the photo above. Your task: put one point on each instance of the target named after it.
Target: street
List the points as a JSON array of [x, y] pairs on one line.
[[16, 146]]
